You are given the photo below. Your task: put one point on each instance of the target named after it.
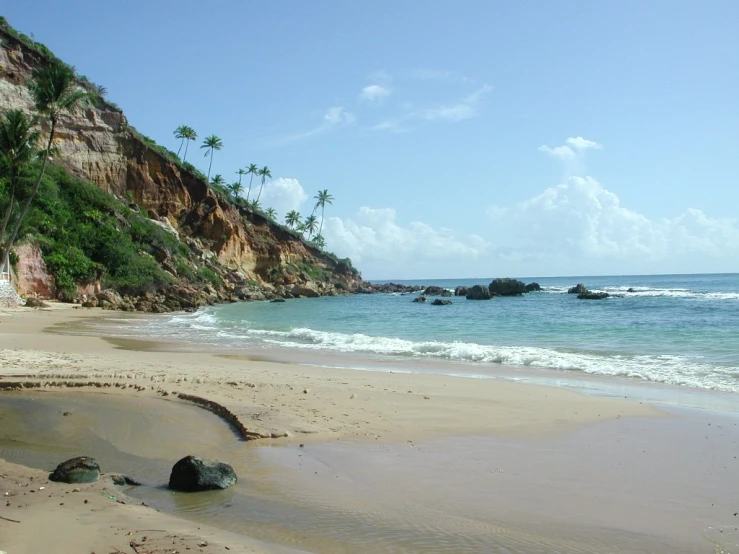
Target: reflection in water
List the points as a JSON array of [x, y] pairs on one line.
[[284, 494]]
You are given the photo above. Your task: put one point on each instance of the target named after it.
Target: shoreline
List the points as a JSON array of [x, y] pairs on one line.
[[292, 403]]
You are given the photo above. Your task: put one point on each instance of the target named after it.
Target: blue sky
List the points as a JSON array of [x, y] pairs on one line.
[[459, 139]]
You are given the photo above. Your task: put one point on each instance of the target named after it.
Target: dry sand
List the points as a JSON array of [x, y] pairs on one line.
[[301, 404]]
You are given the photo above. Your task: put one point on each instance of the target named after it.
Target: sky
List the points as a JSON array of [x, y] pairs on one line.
[[458, 139]]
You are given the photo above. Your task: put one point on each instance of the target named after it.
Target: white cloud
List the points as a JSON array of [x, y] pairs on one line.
[[333, 117], [375, 93], [438, 75], [464, 109], [580, 227], [571, 153], [382, 247], [282, 194]]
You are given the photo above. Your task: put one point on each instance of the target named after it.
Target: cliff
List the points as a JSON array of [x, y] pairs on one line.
[[97, 144]]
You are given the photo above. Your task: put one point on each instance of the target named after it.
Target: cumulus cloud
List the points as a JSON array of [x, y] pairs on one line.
[[282, 194], [571, 153], [581, 227], [382, 247], [375, 93]]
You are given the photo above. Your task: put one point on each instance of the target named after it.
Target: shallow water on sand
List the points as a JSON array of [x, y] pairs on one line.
[[657, 485]]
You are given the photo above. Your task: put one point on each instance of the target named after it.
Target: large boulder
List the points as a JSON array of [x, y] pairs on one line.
[[420, 298], [436, 291], [193, 474], [478, 292], [440, 302], [533, 287], [590, 295], [460, 291], [507, 287], [308, 290], [82, 469], [577, 289]]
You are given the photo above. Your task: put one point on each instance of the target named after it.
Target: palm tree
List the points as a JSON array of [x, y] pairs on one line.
[[254, 206], [270, 213], [292, 219], [319, 241], [310, 224], [264, 173], [253, 170], [323, 198], [18, 146], [181, 133], [235, 189], [241, 173], [218, 180], [190, 134], [212, 143], [55, 91]]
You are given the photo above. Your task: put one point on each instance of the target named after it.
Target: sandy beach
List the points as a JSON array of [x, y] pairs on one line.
[[342, 420]]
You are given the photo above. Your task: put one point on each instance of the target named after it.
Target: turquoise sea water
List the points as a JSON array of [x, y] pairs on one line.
[[677, 329]]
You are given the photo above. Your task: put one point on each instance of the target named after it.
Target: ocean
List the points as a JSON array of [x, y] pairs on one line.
[[675, 329]]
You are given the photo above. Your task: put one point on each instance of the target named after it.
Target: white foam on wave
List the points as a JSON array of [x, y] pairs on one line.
[[676, 370], [654, 292]]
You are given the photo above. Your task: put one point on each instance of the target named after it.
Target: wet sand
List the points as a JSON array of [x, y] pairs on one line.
[[391, 462]]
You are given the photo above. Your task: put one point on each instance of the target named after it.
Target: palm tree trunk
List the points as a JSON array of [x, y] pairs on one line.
[[248, 192], [186, 145], [260, 191], [210, 164], [320, 229], [9, 210], [180, 148], [27, 205]]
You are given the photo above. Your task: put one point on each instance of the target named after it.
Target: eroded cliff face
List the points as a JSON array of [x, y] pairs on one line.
[[98, 144]]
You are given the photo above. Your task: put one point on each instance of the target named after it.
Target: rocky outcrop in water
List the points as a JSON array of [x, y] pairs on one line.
[[478, 292], [420, 299], [590, 295], [577, 289], [436, 291], [82, 469], [440, 302], [533, 287], [194, 474], [460, 291], [507, 287]]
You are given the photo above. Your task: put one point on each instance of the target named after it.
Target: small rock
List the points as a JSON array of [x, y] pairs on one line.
[[82, 469], [192, 474]]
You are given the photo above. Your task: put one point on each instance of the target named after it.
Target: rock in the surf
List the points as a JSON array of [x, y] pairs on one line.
[[420, 298], [82, 469], [507, 287], [533, 287], [577, 289], [460, 291], [478, 292], [193, 474], [590, 295], [436, 291], [440, 302]]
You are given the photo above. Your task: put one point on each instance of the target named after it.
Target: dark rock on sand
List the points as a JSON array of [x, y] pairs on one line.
[[193, 474], [122, 480], [507, 287], [478, 292], [533, 287], [460, 291], [440, 302], [420, 298], [590, 295], [577, 289], [35, 303], [82, 469]]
